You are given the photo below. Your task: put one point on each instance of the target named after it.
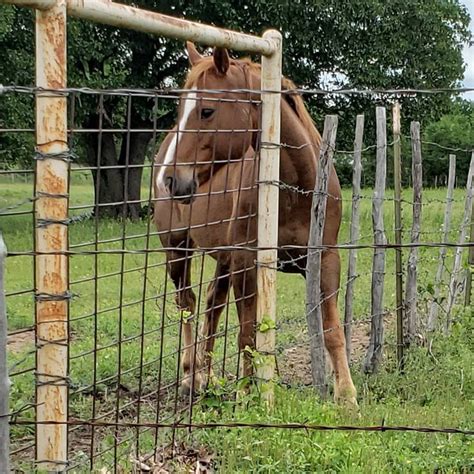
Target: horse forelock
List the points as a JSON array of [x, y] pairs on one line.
[[248, 67], [200, 70]]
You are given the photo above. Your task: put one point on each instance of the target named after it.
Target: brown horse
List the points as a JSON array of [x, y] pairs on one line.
[[206, 197]]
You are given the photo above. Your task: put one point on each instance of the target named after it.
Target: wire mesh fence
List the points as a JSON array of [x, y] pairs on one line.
[[130, 346], [161, 300], [140, 289]]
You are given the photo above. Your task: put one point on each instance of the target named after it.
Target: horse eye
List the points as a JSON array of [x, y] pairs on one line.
[[206, 113]]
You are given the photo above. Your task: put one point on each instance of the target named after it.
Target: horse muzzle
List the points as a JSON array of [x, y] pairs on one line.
[[180, 190]]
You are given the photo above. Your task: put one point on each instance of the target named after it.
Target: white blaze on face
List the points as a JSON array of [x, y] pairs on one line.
[[189, 105]]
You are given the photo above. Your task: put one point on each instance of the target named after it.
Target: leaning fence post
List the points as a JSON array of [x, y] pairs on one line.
[[397, 202], [411, 283], [267, 255], [433, 313], [4, 381], [375, 350], [455, 283], [313, 267], [354, 233], [51, 211]]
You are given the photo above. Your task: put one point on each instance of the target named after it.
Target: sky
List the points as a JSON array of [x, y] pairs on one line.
[[469, 54]]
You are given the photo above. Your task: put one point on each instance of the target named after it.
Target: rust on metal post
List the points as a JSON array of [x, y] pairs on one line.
[[38, 4], [126, 16], [269, 173], [145, 21], [51, 210]]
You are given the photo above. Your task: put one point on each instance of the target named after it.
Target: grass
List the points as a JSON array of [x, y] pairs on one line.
[[128, 314]]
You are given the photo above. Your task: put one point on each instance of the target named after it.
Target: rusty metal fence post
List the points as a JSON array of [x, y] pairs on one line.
[[51, 240], [4, 380], [269, 174]]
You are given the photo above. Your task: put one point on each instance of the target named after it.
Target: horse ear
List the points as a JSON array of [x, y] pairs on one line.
[[193, 53], [221, 60]]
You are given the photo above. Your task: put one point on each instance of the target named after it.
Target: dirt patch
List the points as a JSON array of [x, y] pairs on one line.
[[295, 363], [180, 458], [21, 341]]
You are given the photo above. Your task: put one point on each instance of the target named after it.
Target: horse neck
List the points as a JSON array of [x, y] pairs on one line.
[[298, 160]]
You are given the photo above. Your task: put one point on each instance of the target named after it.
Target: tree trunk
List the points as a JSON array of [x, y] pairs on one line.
[[108, 183], [132, 173], [117, 179]]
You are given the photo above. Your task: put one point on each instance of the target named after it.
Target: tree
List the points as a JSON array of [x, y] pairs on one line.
[[358, 43], [453, 131], [16, 67]]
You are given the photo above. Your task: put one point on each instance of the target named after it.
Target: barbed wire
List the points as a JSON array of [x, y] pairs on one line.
[[240, 424], [442, 147], [177, 92], [244, 248], [16, 205]]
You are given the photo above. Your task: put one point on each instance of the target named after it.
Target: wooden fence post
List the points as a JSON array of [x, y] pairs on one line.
[[267, 255], [51, 212], [354, 232], [313, 266], [411, 283], [433, 313], [375, 350], [455, 283], [4, 381], [470, 263], [397, 184]]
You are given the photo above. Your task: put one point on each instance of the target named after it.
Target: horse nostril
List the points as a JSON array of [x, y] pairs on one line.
[[169, 183]]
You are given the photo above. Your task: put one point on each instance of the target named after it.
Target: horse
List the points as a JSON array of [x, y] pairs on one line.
[[205, 189]]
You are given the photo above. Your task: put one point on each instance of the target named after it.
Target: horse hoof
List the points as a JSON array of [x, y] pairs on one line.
[[347, 398], [350, 403], [188, 387], [185, 390]]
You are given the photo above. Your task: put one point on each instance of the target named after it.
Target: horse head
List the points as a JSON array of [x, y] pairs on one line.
[[217, 122]]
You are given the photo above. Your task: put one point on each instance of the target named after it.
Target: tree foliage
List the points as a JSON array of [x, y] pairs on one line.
[[346, 43], [454, 132]]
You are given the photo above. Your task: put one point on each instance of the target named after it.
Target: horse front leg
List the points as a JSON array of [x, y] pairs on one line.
[[179, 269], [244, 282], [344, 390], [217, 293]]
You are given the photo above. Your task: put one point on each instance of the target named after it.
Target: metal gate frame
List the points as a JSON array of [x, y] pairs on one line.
[[52, 185]]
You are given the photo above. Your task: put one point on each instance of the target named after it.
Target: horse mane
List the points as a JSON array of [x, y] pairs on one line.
[[296, 102], [293, 99]]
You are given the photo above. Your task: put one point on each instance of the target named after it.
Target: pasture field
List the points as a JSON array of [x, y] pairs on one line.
[[437, 388]]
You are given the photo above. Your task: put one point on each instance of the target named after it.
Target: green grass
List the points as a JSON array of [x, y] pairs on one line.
[[436, 390]]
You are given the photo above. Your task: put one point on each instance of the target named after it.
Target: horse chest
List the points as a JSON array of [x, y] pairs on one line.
[[294, 219]]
